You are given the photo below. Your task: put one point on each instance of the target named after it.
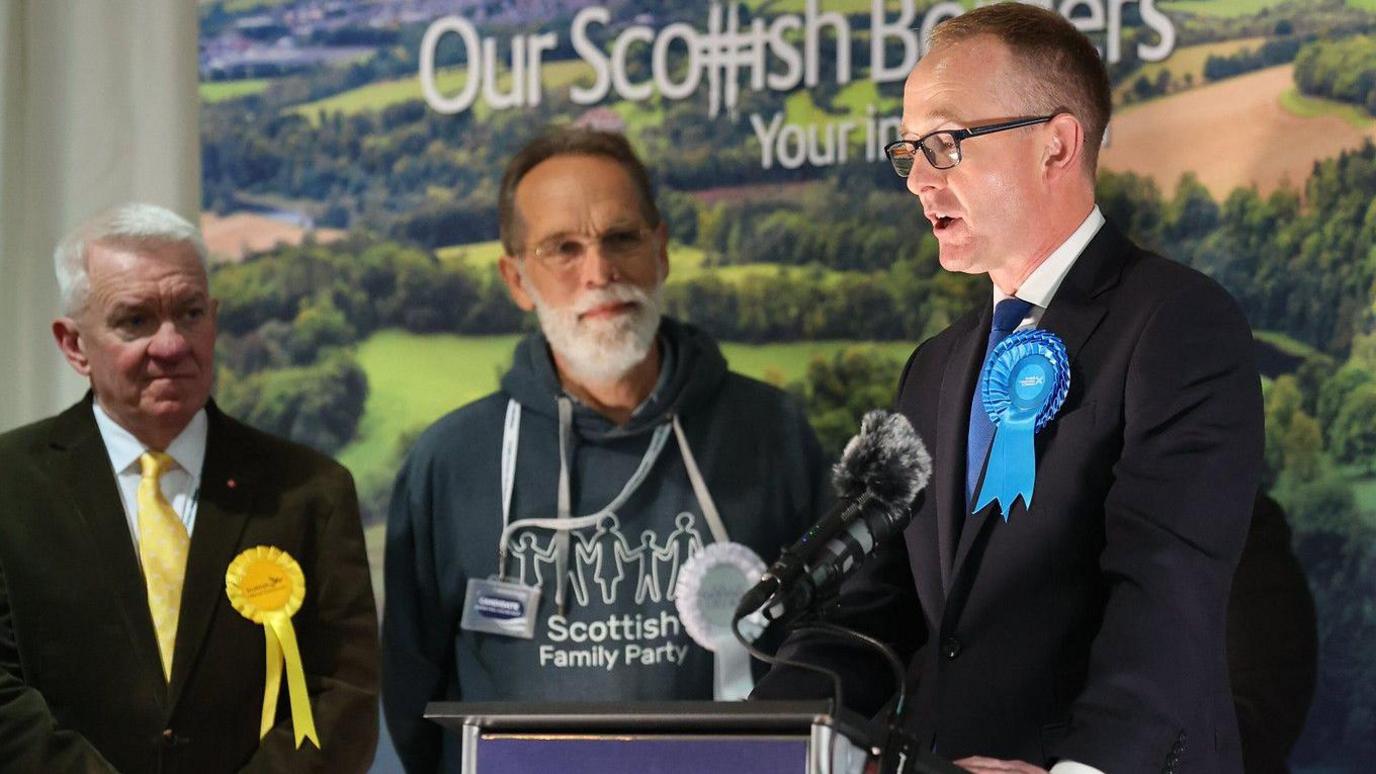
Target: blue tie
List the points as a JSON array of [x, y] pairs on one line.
[[1007, 315]]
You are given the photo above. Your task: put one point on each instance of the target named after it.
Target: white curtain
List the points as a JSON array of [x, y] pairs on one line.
[[99, 107]]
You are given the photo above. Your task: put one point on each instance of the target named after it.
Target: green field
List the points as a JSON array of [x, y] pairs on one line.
[[685, 263], [1364, 492], [244, 6], [1286, 344], [1305, 106], [476, 255], [860, 94], [780, 364], [847, 7], [219, 91], [852, 101], [375, 538], [638, 116], [1219, 9], [1231, 9], [414, 379]]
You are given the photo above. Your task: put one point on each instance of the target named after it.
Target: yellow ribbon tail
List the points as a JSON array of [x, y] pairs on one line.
[[272, 683], [302, 721]]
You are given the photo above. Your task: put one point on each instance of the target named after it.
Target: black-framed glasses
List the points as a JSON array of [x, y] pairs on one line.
[[563, 252], [942, 148]]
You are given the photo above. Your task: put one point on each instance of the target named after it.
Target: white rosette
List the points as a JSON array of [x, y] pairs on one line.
[[710, 586]]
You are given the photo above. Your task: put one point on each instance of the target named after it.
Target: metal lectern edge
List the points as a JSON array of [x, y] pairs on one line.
[[656, 717], [831, 749]]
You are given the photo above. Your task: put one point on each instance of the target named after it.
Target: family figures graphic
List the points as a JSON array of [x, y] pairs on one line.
[[604, 558]]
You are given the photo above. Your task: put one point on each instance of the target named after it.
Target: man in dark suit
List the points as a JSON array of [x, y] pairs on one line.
[[119, 647], [1083, 632]]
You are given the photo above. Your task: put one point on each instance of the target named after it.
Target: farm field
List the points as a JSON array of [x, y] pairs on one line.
[[1219, 9], [685, 263], [847, 7], [1188, 60], [477, 255], [1227, 133], [219, 91], [233, 236], [851, 102], [1313, 107]]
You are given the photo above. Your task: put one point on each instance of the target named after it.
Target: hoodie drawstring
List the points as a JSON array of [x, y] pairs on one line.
[[561, 538], [709, 507]]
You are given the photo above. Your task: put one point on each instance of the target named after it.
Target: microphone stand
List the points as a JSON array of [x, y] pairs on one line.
[[899, 751]]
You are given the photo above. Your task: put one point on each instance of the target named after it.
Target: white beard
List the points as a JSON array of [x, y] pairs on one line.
[[601, 351]]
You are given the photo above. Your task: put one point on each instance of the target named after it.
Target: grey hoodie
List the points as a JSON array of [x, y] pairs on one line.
[[619, 636]]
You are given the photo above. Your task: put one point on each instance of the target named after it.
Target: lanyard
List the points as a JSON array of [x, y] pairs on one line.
[[565, 522]]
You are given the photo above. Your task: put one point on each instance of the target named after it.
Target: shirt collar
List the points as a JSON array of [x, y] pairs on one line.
[[124, 450], [1041, 285]]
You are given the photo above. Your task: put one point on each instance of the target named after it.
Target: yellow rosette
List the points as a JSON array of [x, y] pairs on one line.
[[267, 587]]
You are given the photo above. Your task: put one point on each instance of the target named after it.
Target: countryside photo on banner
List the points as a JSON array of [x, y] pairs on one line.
[[351, 154]]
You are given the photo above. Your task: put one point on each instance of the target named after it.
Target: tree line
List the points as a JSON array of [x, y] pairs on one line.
[[1343, 69]]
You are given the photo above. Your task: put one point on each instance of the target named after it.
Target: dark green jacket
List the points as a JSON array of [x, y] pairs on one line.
[[81, 683]]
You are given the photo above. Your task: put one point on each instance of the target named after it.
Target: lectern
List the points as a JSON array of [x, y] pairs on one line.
[[692, 737]]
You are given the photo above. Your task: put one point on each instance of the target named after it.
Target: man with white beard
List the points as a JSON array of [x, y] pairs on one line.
[[536, 535]]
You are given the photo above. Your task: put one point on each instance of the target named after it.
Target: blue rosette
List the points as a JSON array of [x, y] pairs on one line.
[[1023, 384]]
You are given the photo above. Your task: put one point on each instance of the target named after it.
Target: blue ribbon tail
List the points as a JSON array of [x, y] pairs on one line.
[[1012, 469]]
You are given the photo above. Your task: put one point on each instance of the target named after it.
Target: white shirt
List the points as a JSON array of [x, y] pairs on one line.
[[180, 485], [1041, 285]]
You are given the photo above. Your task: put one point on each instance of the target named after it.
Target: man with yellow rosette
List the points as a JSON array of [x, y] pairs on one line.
[[178, 591]]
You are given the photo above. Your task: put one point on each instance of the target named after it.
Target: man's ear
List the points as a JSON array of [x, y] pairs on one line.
[[69, 342], [515, 283], [1063, 151]]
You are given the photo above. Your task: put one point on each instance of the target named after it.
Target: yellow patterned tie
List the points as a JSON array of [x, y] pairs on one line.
[[163, 545]]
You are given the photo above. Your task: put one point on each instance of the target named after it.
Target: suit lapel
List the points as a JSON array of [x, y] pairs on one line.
[[82, 467], [953, 419], [1077, 309], [223, 510], [1074, 315]]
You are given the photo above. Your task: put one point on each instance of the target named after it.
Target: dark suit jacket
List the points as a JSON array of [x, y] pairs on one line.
[[81, 684], [1089, 627], [1272, 643]]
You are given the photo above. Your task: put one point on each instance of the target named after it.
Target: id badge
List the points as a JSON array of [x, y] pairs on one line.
[[497, 606]]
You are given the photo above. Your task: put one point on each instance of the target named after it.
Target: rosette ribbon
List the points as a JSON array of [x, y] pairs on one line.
[[266, 586], [710, 586], [1024, 383]]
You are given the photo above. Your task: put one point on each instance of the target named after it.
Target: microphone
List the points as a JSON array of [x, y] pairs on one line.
[[881, 472]]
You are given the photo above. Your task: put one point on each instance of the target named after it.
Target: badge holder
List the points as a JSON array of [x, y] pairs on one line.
[[495, 605]]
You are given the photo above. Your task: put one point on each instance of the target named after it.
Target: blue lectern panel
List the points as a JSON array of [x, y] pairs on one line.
[[643, 756]]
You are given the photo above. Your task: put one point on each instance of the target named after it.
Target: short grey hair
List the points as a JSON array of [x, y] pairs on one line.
[[136, 225]]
